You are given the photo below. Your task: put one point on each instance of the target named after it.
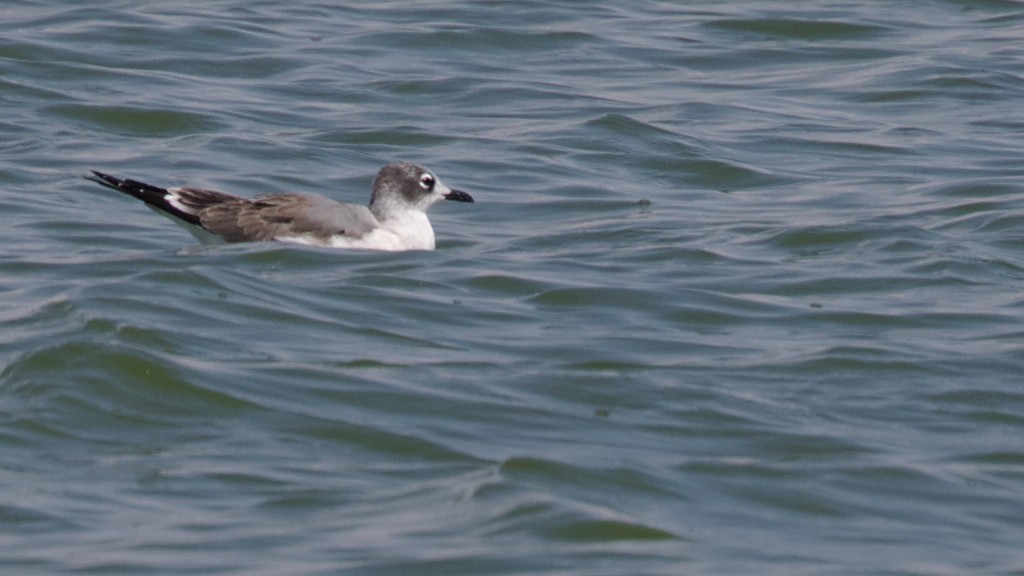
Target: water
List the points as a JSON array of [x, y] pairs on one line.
[[740, 293]]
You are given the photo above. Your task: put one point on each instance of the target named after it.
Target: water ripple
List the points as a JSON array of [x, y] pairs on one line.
[[738, 276]]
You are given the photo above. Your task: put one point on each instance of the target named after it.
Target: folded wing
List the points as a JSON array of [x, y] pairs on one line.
[[283, 216]]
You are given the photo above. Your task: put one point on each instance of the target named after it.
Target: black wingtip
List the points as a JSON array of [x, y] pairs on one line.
[[104, 179], [140, 190]]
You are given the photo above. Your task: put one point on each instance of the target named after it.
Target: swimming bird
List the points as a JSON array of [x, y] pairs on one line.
[[396, 218]]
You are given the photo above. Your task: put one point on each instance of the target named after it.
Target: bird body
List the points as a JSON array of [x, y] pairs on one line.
[[396, 218]]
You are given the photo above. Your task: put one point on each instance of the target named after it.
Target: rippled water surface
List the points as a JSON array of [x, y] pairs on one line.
[[740, 294]]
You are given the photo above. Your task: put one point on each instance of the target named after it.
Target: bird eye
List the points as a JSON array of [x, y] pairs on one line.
[[427, 181]]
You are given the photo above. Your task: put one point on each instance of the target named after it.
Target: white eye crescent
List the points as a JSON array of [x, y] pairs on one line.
[[427, 181]]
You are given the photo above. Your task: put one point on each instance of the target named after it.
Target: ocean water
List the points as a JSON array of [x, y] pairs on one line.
[[740, 294]]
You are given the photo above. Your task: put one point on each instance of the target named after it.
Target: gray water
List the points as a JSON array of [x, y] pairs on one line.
[[740, 294]]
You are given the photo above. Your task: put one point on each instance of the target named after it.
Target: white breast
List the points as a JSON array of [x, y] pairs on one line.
[[409, 231]]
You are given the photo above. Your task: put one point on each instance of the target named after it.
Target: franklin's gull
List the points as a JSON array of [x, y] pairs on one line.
[[396, 218]]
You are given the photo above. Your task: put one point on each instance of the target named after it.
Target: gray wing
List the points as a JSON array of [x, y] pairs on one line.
[[284, 215]]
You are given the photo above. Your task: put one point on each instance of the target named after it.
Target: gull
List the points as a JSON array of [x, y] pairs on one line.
[[396, 218]]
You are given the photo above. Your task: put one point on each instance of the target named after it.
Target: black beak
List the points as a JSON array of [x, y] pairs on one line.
[[458, 196]]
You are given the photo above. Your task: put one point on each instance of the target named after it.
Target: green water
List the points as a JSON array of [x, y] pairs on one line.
[[740, 293]]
